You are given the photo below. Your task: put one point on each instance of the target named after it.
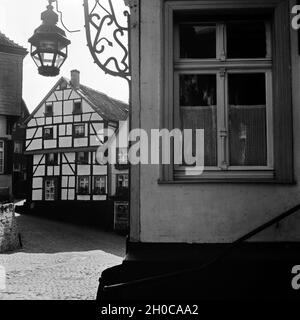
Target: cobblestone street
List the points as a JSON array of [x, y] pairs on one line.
[[58, 261]]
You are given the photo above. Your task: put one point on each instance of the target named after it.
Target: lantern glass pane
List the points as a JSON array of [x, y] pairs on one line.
[[47, 58], [59, 60], [37, 60]]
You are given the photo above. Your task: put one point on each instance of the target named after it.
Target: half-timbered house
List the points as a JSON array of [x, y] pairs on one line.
[[63, 134]]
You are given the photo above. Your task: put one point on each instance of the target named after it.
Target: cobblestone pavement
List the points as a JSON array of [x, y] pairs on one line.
[[58, 261]]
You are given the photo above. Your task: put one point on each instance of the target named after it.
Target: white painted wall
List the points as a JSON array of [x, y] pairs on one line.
[[203, 213]]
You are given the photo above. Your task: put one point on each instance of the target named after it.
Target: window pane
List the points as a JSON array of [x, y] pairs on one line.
[[198, 111], [247, 119], [246, 39], [198, 41]]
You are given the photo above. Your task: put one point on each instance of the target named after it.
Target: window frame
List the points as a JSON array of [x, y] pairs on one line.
[[20, 143], [48, 162], [124, 175], [78, 187], [47, 112], [94, 185], [77, 136], [76, 103], [50, 137], [86, 158], [282, 121]]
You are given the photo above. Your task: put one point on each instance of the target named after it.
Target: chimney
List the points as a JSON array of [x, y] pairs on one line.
[[75, 79]]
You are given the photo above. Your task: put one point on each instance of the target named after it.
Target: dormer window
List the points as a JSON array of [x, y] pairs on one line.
[[48, 133], [79, 131], [77, 107], [49, 110]]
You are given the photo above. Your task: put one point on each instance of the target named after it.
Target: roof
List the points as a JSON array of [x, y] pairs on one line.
[[106, 106], [7, 45]]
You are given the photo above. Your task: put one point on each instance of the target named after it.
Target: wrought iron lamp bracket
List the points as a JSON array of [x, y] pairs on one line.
[[95, 20]]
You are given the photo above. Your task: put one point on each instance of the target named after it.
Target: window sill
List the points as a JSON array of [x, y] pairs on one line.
[[249, 177], [223, 181]]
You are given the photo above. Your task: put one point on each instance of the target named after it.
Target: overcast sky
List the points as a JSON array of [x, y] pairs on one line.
[[19, 19]]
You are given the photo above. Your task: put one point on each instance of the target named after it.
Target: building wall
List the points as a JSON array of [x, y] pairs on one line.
[[11, 83], [67, 171], [3, 126], [62, 123], [199, 213]]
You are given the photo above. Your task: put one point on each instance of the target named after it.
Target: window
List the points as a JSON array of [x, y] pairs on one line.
[[83, 185], [244, 139], [48, 133], [122, 156], [79, 130], [1, 156], [82, 158], [227, 93], [77, 107], [100, 186], [63, 85], [122, 181], [51, 159], [9, 125], [18, 147], [17, 167], [49, 110]]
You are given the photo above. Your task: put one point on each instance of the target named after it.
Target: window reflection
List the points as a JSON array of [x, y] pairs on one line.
[[198, 41]]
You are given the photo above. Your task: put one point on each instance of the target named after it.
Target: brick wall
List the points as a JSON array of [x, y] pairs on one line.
[[9, 239]]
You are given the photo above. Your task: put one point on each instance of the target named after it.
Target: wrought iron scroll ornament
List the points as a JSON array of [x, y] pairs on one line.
[[95, 20]]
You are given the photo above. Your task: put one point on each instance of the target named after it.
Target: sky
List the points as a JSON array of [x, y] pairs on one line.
[[19, 19]]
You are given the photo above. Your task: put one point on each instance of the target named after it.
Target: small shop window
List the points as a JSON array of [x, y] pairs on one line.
[[100, 185], [83, 185], [79, 130], [48, 133]]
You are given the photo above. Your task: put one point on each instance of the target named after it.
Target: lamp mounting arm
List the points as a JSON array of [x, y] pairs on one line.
[[98, 18]]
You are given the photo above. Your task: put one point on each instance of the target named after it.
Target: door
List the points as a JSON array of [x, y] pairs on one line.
[[51, 189]]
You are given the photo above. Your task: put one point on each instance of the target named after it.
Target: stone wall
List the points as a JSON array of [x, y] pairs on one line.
[[9, 239]]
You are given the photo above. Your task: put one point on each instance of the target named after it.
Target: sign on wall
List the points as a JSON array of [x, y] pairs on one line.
[[121, 216]]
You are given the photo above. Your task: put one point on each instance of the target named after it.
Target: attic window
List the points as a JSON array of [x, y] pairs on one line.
[[77, 107], [63, 85], [49, 110]]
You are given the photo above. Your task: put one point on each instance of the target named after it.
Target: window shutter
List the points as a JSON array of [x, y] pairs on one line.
[[283, 112], [8, 156]]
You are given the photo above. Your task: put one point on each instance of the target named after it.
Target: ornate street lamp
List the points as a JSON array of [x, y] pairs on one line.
[[49, 45]]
